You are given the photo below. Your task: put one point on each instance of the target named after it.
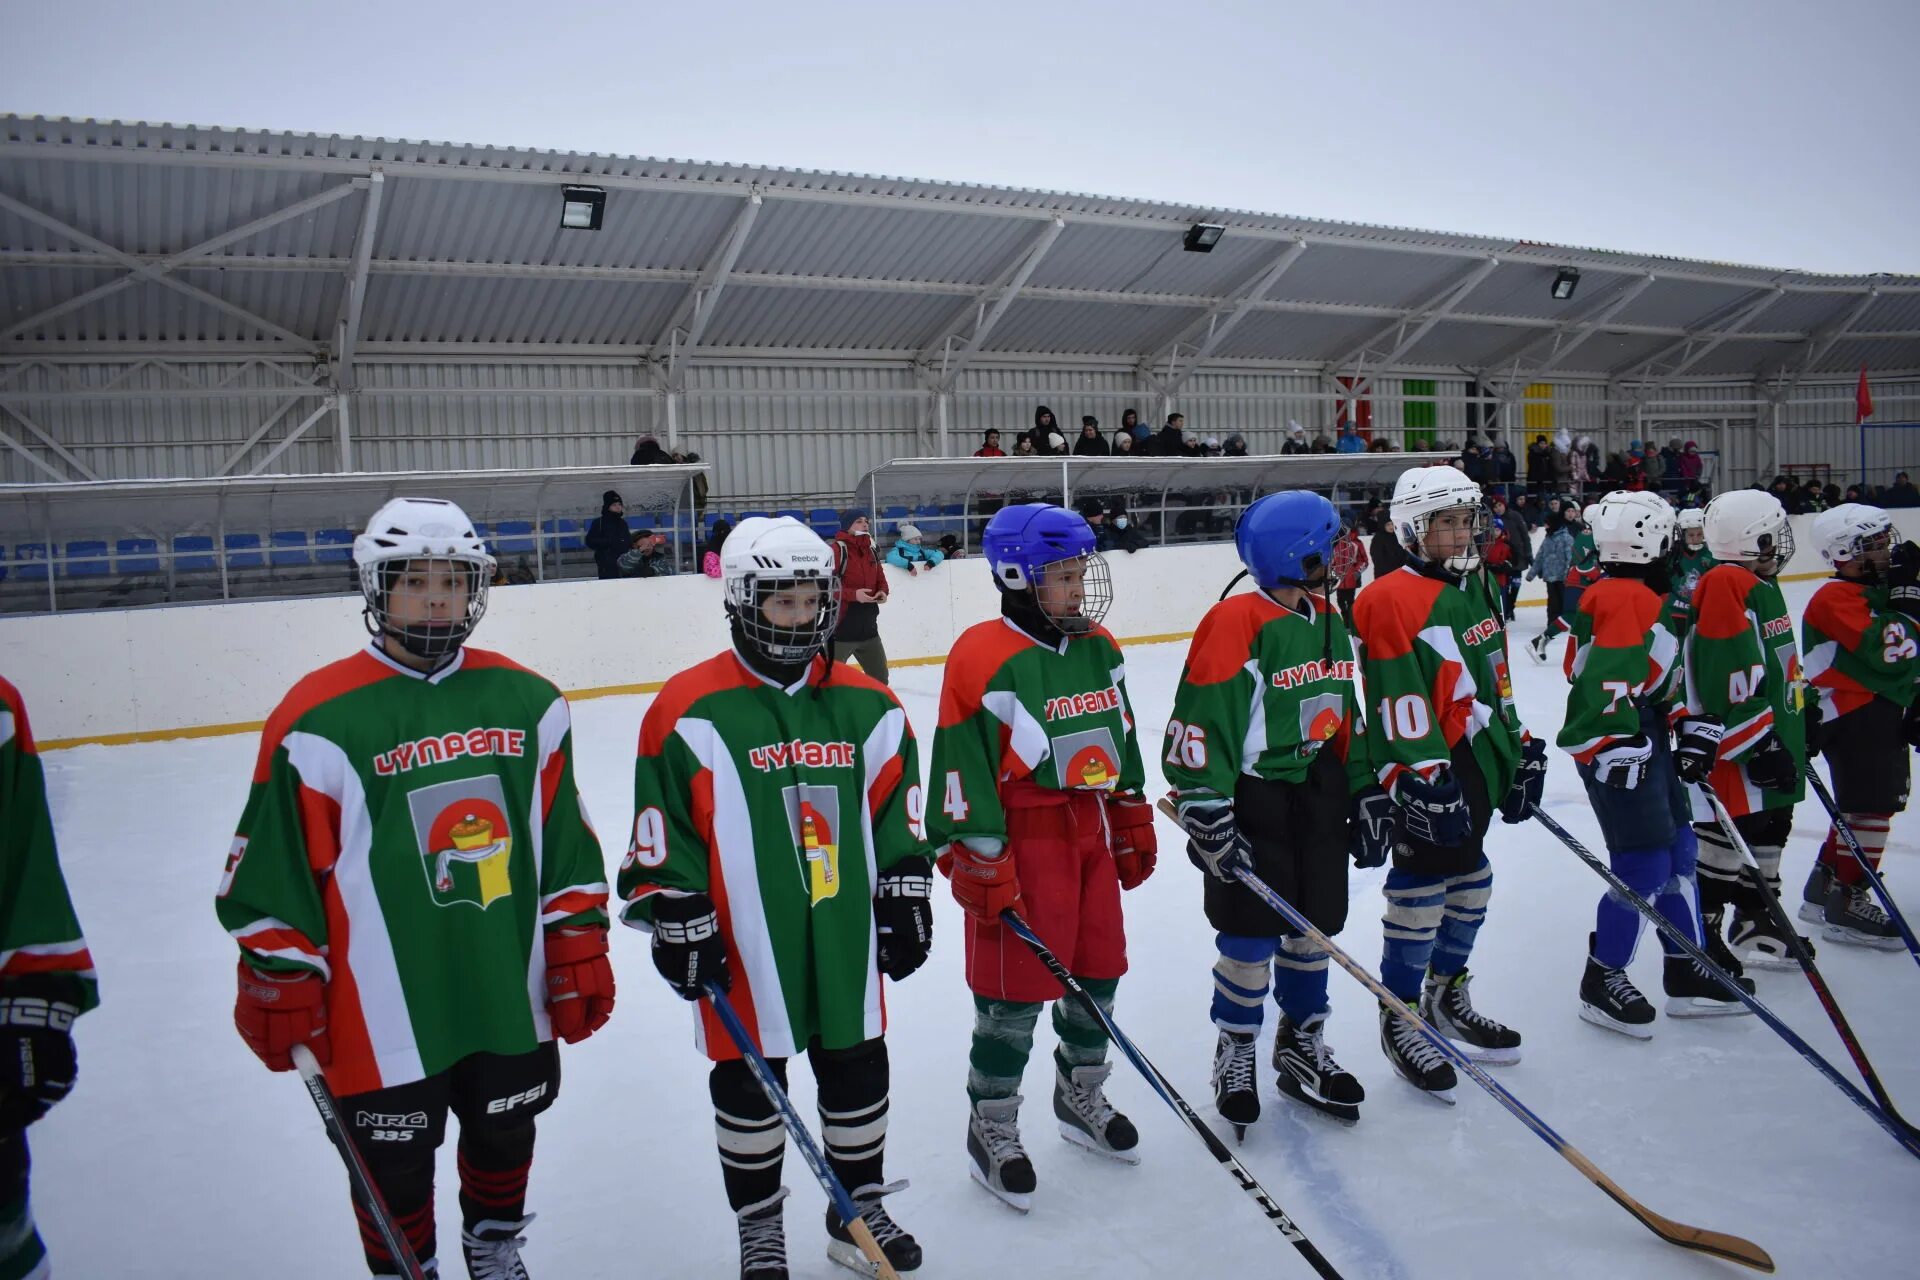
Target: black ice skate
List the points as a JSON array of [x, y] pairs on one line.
[[995, 1158], [1760, 944], [1445, 1003], [1714, 943], [1308, 1073], [1538, 646], [1414, 1057], [1609, 999], [1813, 898], [1692, 992], [1854, 918], [902, 1250], [1086, 1118], [492, 1248], [763, 1239], [1234, 1091]]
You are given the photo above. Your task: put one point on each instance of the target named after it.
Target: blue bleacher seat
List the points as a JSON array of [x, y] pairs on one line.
[[748, 515], [563, 533], [137, 555], [795, 512], [332, 546], [192, 551], [289, 548], [6, 564], [243, 551], [513, 537], [30, 561], [824, 521], [85, 559]]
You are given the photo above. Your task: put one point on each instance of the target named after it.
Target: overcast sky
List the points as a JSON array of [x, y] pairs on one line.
[[1768, 132]]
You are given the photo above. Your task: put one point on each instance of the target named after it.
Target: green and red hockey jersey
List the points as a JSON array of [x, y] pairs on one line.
[[1264, 691], [1584, 570], [783, 806], [1741, 665], [39, 934], [409, 838], [1619, 655], [1433, 660], [1858, 648], [1687, 567], [1014, 708]]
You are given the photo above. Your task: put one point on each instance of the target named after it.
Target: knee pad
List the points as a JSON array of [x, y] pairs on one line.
[[746, 1123], [1300, 953], [1413, 909], [1470, 893], [1714, 852], [1644, 870]]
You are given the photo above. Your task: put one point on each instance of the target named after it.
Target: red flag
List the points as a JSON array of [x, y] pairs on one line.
[[1862, 399]]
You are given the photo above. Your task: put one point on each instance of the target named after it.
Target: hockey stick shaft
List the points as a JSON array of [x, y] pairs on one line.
[[1626, 894], [809, 1150], [1171, 1096], [357, 1172], [1778, 915], [1720, 1244], [1841, 825]]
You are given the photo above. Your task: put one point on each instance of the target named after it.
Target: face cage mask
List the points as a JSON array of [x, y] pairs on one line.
[[784, 646], [1865, 545], [1775, 550], [1461, 565], [1095, 599], [429, 641]]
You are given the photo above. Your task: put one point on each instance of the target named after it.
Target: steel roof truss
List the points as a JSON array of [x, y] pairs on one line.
[[985, 310], [690, 319], [1431, 312]]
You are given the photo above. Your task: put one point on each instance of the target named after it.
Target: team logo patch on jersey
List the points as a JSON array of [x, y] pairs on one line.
[[1320, 719], [1087, 761], [813, 814], [466, 843]]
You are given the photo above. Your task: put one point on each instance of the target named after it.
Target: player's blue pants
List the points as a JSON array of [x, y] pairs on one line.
[[1430, 925], [1665, 877], [1240, 980]]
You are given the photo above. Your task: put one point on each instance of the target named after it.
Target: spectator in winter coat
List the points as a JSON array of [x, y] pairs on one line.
[[1812, 500], [648, 453], [863, 589], [990, 445], [1122, 443], [1783, 491], [1023, 447], [910, 552], [608, 536], [1296, 440], [1131, 425], [1474, 464], [710, 551], [1692, 465], [1551, 562], [1045, 427], [1580, 461], [1172, 441], [646, 557], [1322, 444], [1540, 465], [1901, 493], [1502, 466], [1387, 553], [1210, 447], [1236, 446], [1350, 440], [1635, 479], [1091, 443], [1122, 531], [1562, 462]]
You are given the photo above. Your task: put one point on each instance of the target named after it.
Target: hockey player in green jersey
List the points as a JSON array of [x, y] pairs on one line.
[[1743, 669], [46, 980], [778, 851], [1690, 559], [417, 894], [1037, 776], [1266, 768], [1447, 746]]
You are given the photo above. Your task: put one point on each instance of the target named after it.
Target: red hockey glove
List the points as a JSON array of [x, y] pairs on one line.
[[276, 1011], [1135, 846], [579, 982], [983, 881]]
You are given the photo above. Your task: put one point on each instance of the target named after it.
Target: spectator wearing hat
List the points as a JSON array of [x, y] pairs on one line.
[[648, 453], [1210, 447], [1131, 425], [863, 589], [910, 552], [1296, 440], [710, 551], [1045, 429], [1901, 493], [990, 445], [608, 536], [1349, 441], [1091, 443], [1323, 443], [646, 556], [1122, 443]]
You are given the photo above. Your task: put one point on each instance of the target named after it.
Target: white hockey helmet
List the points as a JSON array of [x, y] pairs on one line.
[[1747, 525], [1631, 528], [1691, 518], [1842, 534], [1422, 493], [421, 529], [765, 554]]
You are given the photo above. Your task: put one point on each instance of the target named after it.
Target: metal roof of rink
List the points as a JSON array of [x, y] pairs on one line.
[[467, 253]]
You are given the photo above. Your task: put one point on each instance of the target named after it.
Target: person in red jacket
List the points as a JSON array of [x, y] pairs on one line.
[[1349, 563], [863, 589]]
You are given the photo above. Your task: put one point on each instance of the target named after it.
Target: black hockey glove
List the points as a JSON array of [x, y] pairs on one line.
[[1370, 839], [1903, 579], [1529, 781], [687, 947], [1770, 765], [1622, 765], [903, 916], [1696, 746], [1214, 842], [37, 1063], [1819, 732], [1433, 812]]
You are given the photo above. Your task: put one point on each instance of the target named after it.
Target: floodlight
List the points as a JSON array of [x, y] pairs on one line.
[[582, 207], [1202, 236], [1564, 283]]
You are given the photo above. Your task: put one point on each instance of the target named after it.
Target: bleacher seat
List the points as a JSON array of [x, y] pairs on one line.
[[332, 546], [748, 515], [889, 521], [513, 537], [30, 561], [795, 512], [191, 552], [137, 555], [289, 548], [85, 559], [824, 521]]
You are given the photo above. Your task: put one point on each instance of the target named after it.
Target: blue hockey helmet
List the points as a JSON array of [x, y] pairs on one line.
[[1284, 537], [1021, 541]]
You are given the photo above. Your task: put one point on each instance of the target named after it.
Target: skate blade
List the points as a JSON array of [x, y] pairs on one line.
[[1854, 938], [1813, 912], [1600, 1018], [1759, 959], [1703, 1007], [1086, 1143], [849, 1256], [1021, 1200], [1484, 1056], [1347, 1113]]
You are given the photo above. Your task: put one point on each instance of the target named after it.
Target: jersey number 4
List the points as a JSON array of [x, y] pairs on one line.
[[1744, 686]]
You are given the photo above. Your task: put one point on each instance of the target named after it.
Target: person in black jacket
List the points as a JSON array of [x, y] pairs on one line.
[[648, 453], [1091, 442], [608, 536]]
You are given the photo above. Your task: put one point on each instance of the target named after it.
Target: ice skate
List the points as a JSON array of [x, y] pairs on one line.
[[1308, 1072], [1760, 944], [1234, 1091], [1609, 999], [1446, 1004], [1414, 1057], [902, 1250], [995, 1158], [1853, 918], [1692, 992], [492, 1249], [1087, 1119], [1813, 898]]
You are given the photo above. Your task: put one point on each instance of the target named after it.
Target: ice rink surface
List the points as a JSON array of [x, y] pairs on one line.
[[179, 1156]]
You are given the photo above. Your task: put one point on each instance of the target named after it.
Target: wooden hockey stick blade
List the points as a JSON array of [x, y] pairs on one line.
[[1699, 1239], [870, 1249]]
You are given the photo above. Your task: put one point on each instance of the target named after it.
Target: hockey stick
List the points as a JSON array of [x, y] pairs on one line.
[[770, 1084], [1699, 1239], [1778, 915], [357, 1172], [1859, 855], [1171, 1096], [1626, 894]]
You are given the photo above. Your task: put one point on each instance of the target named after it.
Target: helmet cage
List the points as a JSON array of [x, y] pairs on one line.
[[746, 599], [1096, 597], [430, 638], [1467, 561]]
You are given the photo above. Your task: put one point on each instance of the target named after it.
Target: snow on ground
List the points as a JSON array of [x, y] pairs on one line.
[[178, 1156]]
